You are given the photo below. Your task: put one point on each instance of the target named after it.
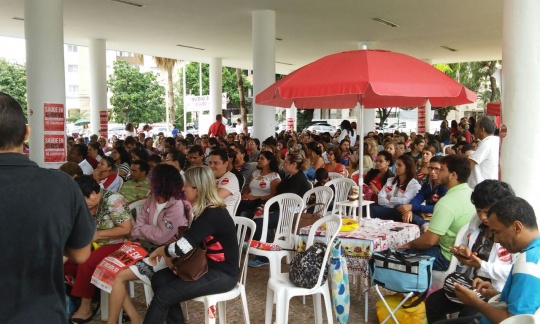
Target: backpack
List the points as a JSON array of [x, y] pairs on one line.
[[306, 265]]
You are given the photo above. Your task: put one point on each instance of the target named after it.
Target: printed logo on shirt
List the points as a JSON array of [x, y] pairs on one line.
[[225, 181], [262, 184], [435, 197], [504, 255]]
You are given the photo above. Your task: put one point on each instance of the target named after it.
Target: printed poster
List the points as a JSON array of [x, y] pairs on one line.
[[55, 148]]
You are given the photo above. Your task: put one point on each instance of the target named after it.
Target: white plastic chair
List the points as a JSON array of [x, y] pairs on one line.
[[289, 204], [342, 187], [282, 290], [439, 276], [444, 149], [355, 173], [335, 175], [521, 319], [323, 195], [237, 204], [243, 225]]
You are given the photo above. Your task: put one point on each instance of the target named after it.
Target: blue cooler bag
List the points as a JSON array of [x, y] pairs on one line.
[[401, 271]]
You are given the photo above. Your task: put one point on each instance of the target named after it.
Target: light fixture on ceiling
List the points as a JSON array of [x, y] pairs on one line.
[[191, 47], [279, 39], [449, 48], [18, 18], [129, 3], [386, 22], [284, 63]]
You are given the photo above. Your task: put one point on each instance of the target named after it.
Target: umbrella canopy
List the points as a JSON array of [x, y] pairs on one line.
[[81, 122], [371, 78]]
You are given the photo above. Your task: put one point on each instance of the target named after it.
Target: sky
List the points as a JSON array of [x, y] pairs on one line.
[[13, 49]]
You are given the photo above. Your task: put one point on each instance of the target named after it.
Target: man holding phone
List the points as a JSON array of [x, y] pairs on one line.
[[514, 226]]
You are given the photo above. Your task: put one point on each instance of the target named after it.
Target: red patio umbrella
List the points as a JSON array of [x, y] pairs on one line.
[[368, 79], [371, 78]]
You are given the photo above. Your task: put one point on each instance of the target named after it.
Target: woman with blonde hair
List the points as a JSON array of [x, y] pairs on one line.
[[212, 224]]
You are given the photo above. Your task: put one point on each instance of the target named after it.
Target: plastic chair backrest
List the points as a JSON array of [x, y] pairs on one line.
[[236, 204], [342, 187], [332, 224], [121, 182], [289, 204], [322, 194], [444, 149], [244, 227], [521, 319], [454, 261], [135, 207], [335, 175], [355, 173]]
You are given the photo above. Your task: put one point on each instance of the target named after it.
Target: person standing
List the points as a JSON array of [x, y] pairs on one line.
[[485, 160], [239, 126], [45, 218], [217, 128]]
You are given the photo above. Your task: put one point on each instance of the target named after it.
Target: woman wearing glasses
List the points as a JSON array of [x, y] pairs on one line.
[[416, 211]]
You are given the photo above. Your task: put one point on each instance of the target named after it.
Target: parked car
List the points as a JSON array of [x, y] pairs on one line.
[[116, 130], [322, 128]]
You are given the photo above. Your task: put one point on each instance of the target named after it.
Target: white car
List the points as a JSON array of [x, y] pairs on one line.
[[319, 129]]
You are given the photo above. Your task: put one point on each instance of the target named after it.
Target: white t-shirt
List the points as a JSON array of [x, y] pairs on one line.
[[352, 137], [487, 157], [260, 185], [229, 182], [239, 128], [86, 167]]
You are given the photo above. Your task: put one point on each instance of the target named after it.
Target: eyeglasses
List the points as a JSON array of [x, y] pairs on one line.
[[434, 169]]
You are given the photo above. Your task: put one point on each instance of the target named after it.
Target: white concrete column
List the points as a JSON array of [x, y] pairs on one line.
[[292, 113], [45, 83], [216, 87], [264, 69], [368, 122], [428, 116], [98, 81], [520, 97]]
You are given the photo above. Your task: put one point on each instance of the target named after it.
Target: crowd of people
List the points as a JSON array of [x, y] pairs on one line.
[[204, 181]]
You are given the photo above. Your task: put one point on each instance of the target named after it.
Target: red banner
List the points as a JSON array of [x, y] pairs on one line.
[[103, 123], [421, 120], [53, 117], [55, 147]]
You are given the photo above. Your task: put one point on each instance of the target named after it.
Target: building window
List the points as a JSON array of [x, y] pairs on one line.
[[73, 88], [73, 68], [72, 48]]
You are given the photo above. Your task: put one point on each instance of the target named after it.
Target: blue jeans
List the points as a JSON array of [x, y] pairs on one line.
[[273, 220], [441, 263], [170, 291], [382, 212]]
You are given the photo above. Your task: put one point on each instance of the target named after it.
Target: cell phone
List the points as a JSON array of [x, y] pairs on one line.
[[396, 229]]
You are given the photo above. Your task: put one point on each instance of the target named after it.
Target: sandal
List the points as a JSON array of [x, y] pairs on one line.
[[81, 320]]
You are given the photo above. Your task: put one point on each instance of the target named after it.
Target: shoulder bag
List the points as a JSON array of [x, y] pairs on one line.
[[193, 265]]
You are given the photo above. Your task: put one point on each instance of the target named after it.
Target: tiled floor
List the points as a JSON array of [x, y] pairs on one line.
[[256, 294]]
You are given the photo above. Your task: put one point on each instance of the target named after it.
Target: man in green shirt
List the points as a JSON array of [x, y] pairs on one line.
[[451, 212], [139, 186]]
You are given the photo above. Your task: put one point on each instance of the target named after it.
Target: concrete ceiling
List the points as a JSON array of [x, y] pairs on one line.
[[308, 29]]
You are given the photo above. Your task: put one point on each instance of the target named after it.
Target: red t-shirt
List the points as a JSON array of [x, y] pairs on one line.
[[217, 129]]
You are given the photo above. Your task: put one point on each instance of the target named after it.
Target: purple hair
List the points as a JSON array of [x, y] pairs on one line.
[[167, 182]]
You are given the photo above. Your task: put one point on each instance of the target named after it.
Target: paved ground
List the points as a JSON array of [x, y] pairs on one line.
[[256, 294]]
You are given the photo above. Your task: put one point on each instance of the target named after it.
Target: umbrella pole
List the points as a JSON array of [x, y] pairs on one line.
[[360, 133]]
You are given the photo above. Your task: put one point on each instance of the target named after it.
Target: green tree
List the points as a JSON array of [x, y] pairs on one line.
[[136, 97], [167, 65], [13, 81]]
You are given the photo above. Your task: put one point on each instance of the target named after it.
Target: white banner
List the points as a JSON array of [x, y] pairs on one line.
[[202, 103]]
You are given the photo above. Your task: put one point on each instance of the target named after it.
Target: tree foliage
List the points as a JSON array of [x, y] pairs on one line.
[[136, 97], [229, 85], [167, 65], [13, 81]]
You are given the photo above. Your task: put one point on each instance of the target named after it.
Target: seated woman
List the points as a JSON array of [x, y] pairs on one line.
[[378, 176], [422, 170], [334, 165], [211, 224], [296, 182], [157, 222], [106, 175], [398, 190], [314, 154], [262, 187], [416, 149], [113, 221], [122, 159], [430, 193], [479, 255]]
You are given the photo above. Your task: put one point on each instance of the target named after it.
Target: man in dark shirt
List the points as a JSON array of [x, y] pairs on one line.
[[45, 218]]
